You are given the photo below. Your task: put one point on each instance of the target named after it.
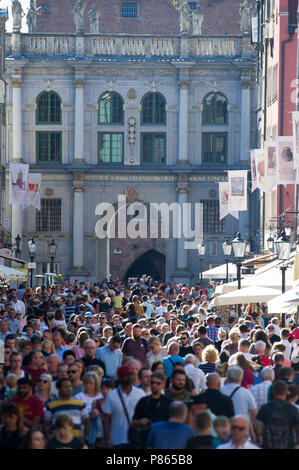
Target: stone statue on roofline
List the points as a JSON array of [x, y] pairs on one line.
[[185, 17], [31, 17], [245, 12], [78, 12], [197, 19], [17, 15], [94, 15]]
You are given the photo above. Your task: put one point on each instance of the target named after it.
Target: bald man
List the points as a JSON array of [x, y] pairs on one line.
[[239, 433], [217, 402]]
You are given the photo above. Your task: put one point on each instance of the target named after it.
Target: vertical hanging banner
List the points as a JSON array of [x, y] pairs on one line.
[[237, 186], [260, 167], [295, 115], [253, 171], [285, 160], [18, 183], [223, 201], [33, 194], [270, 166]]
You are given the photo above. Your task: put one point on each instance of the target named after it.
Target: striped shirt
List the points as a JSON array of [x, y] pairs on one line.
[[75, 408], [69, 310]]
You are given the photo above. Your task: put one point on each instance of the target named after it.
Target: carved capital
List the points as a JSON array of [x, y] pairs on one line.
[[184, 85], [79, 83], [16, 82]]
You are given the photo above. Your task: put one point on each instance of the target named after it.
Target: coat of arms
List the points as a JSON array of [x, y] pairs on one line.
[[131, 194]]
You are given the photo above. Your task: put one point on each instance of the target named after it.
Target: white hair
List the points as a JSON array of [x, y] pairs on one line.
[[267, 374], [243, 417], [190, 359], [235, 374], [260, 346]]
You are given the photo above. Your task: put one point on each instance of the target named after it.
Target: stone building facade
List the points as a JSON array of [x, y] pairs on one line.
[[155, 115]]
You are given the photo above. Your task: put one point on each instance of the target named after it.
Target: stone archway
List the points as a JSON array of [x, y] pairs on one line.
[[152, 263]]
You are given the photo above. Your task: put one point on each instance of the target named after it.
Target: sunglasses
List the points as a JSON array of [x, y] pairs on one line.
[[239, 428], [102, 318], [156, 383], [96, 341], [43, 381], [72, 371]]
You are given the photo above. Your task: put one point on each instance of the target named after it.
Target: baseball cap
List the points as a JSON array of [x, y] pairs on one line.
[[88, 315], [124, 371]]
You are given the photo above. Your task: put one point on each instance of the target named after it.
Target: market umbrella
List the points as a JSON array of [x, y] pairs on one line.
[[247, 295]]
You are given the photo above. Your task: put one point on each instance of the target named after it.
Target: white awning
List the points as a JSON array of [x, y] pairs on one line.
[[10, 273], [220, 272], [248, 295]]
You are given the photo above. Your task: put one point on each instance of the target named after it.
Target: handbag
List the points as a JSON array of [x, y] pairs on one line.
[[137, 436]]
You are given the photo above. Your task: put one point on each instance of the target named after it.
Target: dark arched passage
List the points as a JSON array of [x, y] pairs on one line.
[[152, 263]]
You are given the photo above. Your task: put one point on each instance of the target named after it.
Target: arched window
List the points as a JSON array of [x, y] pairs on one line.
[[215, 109], [153, 109], [111, 108], [48, 109]]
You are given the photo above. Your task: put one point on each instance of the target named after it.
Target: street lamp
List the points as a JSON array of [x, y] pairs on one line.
[[270, 243], [283, 249], [32, 251], [201, 248], [17, 250], [227, 249], [239, 247], [52, 247]]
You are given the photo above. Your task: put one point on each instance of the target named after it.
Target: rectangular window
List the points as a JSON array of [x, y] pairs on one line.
[[111, 147], [213, 248], [129, 10], [211, 222], [48, 219], [48, 147], [214, 147], [153, 148]]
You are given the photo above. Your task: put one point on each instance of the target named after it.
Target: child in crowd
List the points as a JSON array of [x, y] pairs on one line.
[[222, 427], [11, 381]]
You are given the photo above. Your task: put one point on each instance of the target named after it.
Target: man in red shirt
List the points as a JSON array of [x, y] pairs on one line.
[[35, 368], [31, 407]]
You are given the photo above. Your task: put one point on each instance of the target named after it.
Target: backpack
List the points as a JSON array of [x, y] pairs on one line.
[[278, 431]]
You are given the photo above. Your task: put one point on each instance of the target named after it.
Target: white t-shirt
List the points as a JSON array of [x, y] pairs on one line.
[[197, 376], [87, 399], [242, 399], [248, 356], [119, 422]]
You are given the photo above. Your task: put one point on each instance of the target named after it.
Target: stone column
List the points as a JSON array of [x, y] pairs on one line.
[[17, 152], [78, 228], [245, 122], [79, 121], [183, 122]]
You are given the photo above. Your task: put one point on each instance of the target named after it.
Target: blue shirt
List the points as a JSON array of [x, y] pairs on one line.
[[169, 435], [112, 360], [60, 352], [168, 366]]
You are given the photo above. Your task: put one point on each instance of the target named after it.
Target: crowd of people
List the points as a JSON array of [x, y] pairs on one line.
[[146, 365]]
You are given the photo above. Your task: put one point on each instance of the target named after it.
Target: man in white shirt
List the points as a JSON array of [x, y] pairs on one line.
[[149, 307], [243, 401], [243, 347], [119, 409], [196, 375], [239, 433], [260, 391], [284, 336], [162, 308], [17, 305]]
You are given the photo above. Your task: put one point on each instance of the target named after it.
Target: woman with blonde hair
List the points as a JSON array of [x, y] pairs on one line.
[[221, 338], [156, 352], [78, 349], [231, 345], [248, 367], [43, 389], [48, 347], [210, 358], [91, 390]]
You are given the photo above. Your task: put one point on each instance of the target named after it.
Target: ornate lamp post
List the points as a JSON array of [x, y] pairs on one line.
[[52, 247], [283, 247], [201, 248], [32, 251], [227, 249]]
